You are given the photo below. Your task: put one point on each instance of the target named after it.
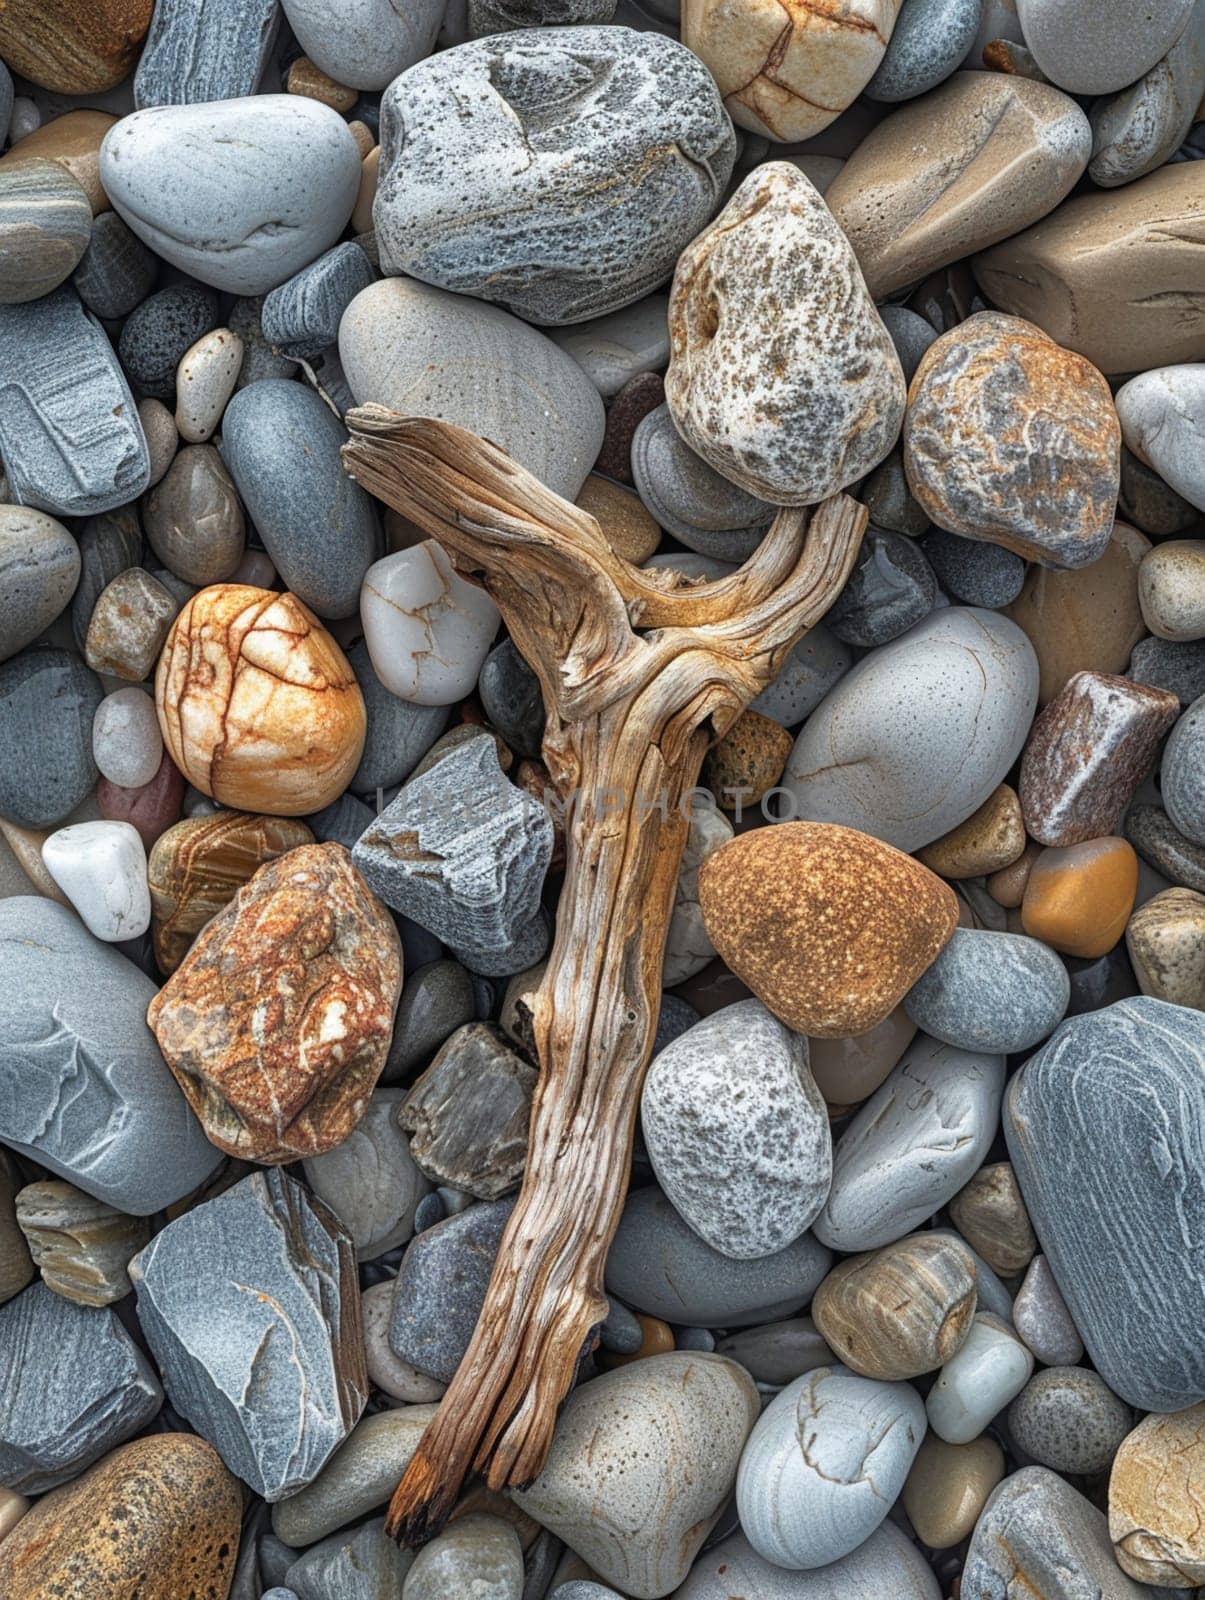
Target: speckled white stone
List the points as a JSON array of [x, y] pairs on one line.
[[205, 380], [365, 43], [241, 194], [738, 1132], [127, 745], [687, 947], [921, 731], [825, 1464], [1096, 46], [782, 375], [917, 1140], [101, 868], [428, 630], [1162, 415], [990, 1369], [642, 1461]]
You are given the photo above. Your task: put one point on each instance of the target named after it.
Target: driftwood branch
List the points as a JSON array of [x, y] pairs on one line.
[[640, 672]]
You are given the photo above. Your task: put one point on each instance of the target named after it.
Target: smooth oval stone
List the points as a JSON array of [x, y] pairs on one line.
[[928, 41], [948, 1486], [999, 992], [48, 699], [660, 1265], [281, 190], [1037, 1533], [440, 1288], [126, 743], [39, 569], [389, 1373], [281, 444], [436, 1000], [614, 349], [704, 511], [428, 353], [1162, 416], [990, 1214], [1182, 773], [887, 1563], [976, 160], [364, 1565], [891, 588], [777, 1352], [824, 1464], [1171, 591], [194, 518], [45, 224], [512, 699], [1068, 1419], [158, 332], [642, 1461], [911, 335], [200, 50], [400, 732], [781, 375], [1129, 1077], [978, 1381], [921, 731], [1096, 46], [1148, 502], [1140, 128], [738, 1132], [972, 572], [365, 43], [475, 1555], [427, 629], [205, 381], [559, 174], [301, 317], [912, 1146], [116, 271], [370, 1181]]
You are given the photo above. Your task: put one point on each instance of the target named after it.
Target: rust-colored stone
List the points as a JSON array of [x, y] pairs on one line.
[[747, 762], [198, 866], [151, 808], [73, 46], [989, 840], [278, 1021], [309, 80]]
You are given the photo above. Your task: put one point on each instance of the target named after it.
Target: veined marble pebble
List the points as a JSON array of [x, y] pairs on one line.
[[428, 630], [1154, 1491]]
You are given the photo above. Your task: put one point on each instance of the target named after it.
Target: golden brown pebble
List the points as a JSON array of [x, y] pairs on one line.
[[361, 216], [829, 927], [990, 1215], [1166, 942], [948, 1486], [73, 46], [626, 525], [1157, 1500], [657, 1341], [747, 762], [1078, 898], [309, 80], [900, 1311], [990, 839], [363, 136]]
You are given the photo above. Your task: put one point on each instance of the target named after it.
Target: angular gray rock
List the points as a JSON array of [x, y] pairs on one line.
[[469, 1112], [371, 1181], [198, 50], [440, 1288], [738, 1132], [69, 431], [73, 1386], [999, 992], [301, 317], [1106, 1130], [251, 1305], [84, 1090], [463, 851], [559, 174]]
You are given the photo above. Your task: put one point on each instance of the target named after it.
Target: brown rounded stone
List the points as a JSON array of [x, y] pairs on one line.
[[848, 1071], [73, 141], [1166, 941], [1079, 898], [73, 46], [1088, 620], [626, 525], [129, 623], [1157, 1500], [900, 1311], [361, 217], [829, 927], [277, 1022], [158, 1519], [199, 865], [989, 840], [639, 395], [194, 518], [747, 762], [152, 808], [1007, 887], [948, 1486], [257, 703], [1114, 274], [309, 80], [26, 845], [1012, 440], [658, 1340], [362, 134], [990, 1215]]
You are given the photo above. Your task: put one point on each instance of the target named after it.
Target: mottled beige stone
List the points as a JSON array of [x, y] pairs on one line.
[[1157, 1500], [990, 1215], [1166, 941], [989, 840], [1171, 589], [947, 1487], [627, 526]]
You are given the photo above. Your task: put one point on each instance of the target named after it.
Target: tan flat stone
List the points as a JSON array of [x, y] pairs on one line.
[[990, 839], [1118, 275], [73, 141], [948, 1485], [953, 171], [627, 526], [1157, 1500]]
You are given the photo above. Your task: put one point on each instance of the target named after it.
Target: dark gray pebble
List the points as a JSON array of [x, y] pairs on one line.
[[1178, 667], [510, 694], [1157, 839], [976, 573], [891, 588], [301, 317], [117, 270], [441, 1286], [48, 699], [620, 1331], [399, 732], [341, 823], [436, 1000], [159, 332], [199, 50], [674, 1018]]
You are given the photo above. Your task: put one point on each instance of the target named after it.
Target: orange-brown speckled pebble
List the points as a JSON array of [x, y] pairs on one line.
[[309, 80], [73, 46], [829, 927], [747, 762], [1079, 898], [626, 525]]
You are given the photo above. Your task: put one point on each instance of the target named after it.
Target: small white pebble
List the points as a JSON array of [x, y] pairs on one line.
[[205, 380], [101, 868], [127, 745]]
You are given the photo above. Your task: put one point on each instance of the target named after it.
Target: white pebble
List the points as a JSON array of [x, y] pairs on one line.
[[427, 630], [205, 381], [126, 743], [990, 1369], [101, 868]]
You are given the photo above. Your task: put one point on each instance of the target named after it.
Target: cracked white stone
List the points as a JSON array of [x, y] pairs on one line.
[[101, 868], [687, 947], [427, 629]]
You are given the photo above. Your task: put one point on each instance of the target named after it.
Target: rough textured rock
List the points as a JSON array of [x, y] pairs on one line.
[[301, 317], [1156, 1491], [737, 1131], [198, 51], [1068, 1419], [1129, 1077], [440, 1288], [251, 1306], [1165, 939], [1020, 402], [979, 159], [83, 1087], [157, 1518], [560, 174], [257, 704], [1181, 773], [159, 331], [989, 840], [772, 289], [912, 1146], [641, 1463], [58, 1416], [370, 1180], [81, 1245], [277, 1022], [129, 624], [1139, 128], [930, 38], [73, 49]]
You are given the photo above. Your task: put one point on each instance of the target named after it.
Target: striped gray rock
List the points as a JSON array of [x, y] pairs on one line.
[[45, 224], [559, 174], [251, 1305], [69, 431], [1106, 1130], [200, 50], [48, 699], [116, 271], [462, 851], [73, 1386], [39, 569], [301, 317], [83, 1087]]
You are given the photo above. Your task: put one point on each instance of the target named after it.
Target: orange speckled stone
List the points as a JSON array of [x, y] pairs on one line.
[[829, 927], [277, 1022], [1079, 898], [747, 762], [309, 80], [658, 1340]]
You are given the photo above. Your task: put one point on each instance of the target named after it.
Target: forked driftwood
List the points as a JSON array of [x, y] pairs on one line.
[[630, 716]]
